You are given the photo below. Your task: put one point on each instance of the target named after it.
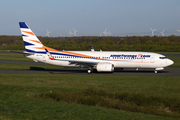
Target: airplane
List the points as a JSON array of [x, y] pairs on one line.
[[100, 61]]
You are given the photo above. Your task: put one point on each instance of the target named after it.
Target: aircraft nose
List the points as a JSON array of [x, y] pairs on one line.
[[170, 62]]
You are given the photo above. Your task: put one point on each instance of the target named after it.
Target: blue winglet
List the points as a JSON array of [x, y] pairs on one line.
[[92, 49]]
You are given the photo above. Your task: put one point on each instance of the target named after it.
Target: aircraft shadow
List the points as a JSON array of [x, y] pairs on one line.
[[79, 70]]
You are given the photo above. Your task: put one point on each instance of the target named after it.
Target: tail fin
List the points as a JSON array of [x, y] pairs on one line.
[[31, 42], [49, 55]]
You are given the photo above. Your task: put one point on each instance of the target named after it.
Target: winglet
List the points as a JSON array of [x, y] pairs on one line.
[[92, 49], [49, 55]]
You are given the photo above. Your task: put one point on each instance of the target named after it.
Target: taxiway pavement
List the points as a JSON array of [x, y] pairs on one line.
[[169, 71]]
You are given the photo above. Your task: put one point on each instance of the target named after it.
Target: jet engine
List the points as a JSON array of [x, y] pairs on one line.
[[105, 67]]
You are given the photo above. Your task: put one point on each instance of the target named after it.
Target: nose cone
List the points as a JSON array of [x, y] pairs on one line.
[[170, 62]]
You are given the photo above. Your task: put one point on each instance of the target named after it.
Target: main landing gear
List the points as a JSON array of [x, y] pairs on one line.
[[91, 70]]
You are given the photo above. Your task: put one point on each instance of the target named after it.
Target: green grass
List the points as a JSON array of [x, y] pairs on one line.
[[176, 61], [18, 102], [17, 93], [135, 102], [13, 56]]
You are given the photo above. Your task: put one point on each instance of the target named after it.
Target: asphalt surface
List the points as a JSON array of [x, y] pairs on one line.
[[169, 71]]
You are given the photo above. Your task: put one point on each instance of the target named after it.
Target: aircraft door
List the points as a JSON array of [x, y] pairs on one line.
[[37, 56], [44, 58], [152, 58]]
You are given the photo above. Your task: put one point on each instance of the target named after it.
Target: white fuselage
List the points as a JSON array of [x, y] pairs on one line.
[[118, 59]]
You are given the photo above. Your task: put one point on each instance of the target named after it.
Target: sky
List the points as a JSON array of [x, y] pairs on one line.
[[91, 17]]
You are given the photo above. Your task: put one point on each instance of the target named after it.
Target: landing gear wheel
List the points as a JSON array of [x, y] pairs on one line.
[[89, 71]]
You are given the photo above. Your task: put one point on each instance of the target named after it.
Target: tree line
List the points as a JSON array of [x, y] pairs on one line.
[[128, 43]]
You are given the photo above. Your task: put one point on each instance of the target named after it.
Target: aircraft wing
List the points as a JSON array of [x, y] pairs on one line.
[[83, 63]]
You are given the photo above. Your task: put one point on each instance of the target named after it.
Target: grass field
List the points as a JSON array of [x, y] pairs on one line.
[[39, 97], [13, 56], [19, 93]]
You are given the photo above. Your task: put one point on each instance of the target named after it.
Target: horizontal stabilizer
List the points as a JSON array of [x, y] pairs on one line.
[[21, 52]]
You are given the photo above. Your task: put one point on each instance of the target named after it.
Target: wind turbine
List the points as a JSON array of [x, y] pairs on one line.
[[70, 33], [153, 31], [105, 32], [47, 34], [178, 30], [162, 32], [75, 31], [61, 35], [100, 34], [109, 33]]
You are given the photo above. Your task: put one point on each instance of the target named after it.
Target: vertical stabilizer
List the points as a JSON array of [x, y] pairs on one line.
[[31, 42]]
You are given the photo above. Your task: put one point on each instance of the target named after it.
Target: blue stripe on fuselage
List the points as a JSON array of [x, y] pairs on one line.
[[54, 53]]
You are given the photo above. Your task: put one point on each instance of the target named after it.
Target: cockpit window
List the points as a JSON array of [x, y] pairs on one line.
[[162, 57]]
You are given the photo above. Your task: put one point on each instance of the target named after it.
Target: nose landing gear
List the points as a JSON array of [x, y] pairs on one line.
[[158, 69]]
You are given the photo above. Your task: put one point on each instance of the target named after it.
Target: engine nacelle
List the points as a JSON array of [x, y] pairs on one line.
[[105, 67]]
